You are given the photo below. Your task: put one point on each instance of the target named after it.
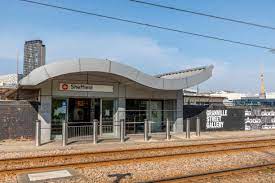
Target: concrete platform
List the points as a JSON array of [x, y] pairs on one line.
[[15, 148]]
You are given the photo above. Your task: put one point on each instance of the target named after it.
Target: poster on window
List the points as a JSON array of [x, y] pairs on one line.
[[259, 119]]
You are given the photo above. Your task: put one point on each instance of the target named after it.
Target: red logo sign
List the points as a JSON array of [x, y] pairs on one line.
[[65, 87]]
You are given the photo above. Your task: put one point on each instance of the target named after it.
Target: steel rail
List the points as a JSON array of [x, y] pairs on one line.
[[144, 149]]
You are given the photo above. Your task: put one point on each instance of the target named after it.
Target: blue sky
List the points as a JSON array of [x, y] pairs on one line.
[[70, 35]]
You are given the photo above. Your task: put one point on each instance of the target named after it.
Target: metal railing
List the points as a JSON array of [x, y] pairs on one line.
[[156, 120], [89, 131], [75, 131], [107, 129], [79, 131]]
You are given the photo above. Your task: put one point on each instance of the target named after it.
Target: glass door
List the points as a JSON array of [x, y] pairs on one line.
[[79, 110]]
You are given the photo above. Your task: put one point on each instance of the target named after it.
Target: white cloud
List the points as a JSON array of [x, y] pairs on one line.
[[143, 53]]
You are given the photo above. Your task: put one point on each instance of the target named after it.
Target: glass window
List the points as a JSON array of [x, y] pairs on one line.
[[156, 116], [170, 111], [59, 112], [136, 113], [79, 110], [154, 110]]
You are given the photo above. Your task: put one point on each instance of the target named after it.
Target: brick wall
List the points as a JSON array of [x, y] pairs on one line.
[[17, 119]]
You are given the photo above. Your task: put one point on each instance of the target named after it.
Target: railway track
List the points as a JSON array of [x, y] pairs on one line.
[[206, 177], [104, 158]]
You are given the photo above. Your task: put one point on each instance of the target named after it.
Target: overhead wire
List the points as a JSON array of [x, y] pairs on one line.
[[204, 14]]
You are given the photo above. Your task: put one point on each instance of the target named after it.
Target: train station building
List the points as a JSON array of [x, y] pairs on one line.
[[82, 90]]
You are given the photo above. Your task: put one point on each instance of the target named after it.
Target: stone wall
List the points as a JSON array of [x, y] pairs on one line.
[[17, 119]]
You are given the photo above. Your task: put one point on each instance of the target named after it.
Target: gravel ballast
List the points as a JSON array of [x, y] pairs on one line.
[[163, 168]]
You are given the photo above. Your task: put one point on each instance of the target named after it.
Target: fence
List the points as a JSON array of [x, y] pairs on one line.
[[146, 122], [80, 130], [89, 131], [74, 132]]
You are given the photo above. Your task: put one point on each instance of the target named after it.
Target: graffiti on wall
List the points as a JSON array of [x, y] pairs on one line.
[[259, 119], [214, 119]]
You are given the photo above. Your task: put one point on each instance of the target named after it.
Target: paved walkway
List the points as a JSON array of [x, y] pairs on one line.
[[23, 148], [135, 141]]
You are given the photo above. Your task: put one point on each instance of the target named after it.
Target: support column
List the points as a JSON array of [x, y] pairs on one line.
[[178, 127], [45, 116], [120, 114]]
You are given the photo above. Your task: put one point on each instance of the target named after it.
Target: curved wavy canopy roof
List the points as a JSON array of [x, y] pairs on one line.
[[181, 80]]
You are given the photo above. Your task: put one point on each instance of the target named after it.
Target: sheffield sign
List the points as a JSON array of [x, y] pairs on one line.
[[85, 87]]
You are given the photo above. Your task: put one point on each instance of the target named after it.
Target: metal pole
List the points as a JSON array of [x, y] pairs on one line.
[[64, 133], [168, 136], [122, 128], [188, 128], [100, 120], [38, 133], [95, 126], [146, 130], [149, 127], [198, 128]]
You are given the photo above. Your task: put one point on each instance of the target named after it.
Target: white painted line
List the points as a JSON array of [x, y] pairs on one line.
[[49, 175]]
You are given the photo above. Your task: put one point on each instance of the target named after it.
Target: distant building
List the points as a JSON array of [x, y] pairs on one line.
[[8, 84], [228, 98], [230, 95], [254, 102], [34, 55], [9, 80], [270, 95], [191, 97]]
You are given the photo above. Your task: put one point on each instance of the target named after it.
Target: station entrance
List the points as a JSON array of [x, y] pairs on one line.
[[82, 112]]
